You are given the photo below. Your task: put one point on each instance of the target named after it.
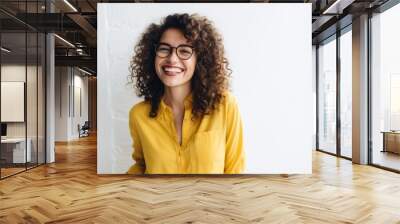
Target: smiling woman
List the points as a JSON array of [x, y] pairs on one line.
[[188, 121]]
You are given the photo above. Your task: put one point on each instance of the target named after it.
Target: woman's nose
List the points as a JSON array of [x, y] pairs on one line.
[[173, 57]]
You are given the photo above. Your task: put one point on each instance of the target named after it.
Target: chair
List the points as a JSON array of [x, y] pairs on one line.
[[84, 130]]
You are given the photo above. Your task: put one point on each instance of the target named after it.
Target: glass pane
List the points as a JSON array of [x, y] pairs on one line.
[[41, 6], [32, 95], [386, 89], [41, 98], [327, 97], [13, 88], [14, 5], [10, 24], [32, 6], [346, 93]]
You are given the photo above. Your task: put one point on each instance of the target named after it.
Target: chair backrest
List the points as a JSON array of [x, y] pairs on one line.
[[86, 125]]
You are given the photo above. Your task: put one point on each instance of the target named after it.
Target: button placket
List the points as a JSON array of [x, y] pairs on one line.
[[186, 119], [169, 117], [185, 133], [177, 146]]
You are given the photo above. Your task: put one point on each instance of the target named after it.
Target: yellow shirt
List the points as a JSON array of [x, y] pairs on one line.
[[211, 145]]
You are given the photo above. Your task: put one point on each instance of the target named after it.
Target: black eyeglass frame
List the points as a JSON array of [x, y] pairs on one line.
[[176, 50]]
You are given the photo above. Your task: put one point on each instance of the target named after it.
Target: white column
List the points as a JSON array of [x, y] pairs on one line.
[[360, 90], [50, 100], [50, 92]]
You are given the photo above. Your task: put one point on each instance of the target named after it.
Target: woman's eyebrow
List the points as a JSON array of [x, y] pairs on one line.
[[164, 43]]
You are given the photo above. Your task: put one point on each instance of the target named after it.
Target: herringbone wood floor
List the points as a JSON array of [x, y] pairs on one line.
[[70, 191]]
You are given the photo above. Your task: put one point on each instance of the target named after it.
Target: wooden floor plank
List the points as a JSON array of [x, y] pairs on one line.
[[70, 191]]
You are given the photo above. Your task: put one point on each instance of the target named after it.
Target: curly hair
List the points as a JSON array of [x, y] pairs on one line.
[[211, 76]]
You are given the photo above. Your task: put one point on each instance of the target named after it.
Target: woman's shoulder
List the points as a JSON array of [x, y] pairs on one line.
[[140, 109], [229, 98]]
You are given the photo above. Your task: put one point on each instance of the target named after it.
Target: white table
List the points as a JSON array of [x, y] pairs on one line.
[[18, 145]]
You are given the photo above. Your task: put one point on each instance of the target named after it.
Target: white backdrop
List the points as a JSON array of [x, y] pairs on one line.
[[269, 50], [12, 101]]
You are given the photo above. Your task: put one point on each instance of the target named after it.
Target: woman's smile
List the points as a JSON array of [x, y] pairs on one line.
[[171, 70]]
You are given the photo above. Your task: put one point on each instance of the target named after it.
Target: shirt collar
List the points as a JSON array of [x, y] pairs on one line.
[[188, 102]]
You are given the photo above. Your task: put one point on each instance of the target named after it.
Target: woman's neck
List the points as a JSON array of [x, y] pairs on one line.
[[175, 96]]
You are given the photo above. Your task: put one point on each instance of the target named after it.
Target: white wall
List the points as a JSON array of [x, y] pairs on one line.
[[12, 73], [314, 87], [61, 103], [16, 72], [269, 49], [33, 127], [79, 117], [67, 117]]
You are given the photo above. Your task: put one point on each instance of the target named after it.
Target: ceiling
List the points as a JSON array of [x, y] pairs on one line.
[[76, 22]]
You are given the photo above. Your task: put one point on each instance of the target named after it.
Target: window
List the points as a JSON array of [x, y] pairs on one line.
[[385, 89], [346, 93], [22, 65], [327, 97]]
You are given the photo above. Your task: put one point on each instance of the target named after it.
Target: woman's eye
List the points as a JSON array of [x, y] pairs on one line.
[[185, 51], [163, 49]]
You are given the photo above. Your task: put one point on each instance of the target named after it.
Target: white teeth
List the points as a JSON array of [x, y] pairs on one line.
[[172, 69]]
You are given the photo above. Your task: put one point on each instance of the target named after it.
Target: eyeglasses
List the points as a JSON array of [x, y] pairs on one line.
[[183, 51]]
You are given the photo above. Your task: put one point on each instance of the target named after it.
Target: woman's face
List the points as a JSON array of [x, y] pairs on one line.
[[172, 70]]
